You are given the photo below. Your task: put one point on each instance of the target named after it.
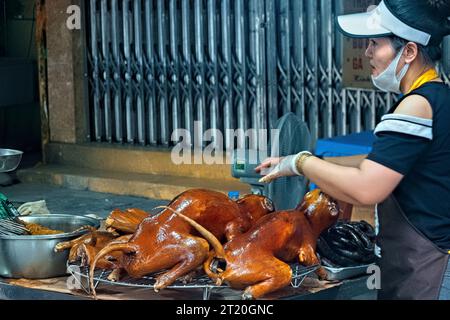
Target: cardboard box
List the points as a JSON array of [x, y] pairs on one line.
[[355, 65], [350, 161], [366, 213]]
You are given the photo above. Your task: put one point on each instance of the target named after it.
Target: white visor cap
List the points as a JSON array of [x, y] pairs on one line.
[[380, 22]]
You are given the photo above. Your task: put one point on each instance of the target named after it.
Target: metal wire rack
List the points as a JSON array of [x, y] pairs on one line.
[[299, 274]]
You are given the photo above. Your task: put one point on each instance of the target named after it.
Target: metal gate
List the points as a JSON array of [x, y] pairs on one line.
[[159, 65]]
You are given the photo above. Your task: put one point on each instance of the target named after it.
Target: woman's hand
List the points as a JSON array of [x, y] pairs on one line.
[[267, 165], [279, 167]]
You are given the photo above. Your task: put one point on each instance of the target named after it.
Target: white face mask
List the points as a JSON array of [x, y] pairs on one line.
[[388, 80]]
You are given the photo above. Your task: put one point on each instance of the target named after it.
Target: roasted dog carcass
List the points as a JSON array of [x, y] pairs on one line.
[[166, 241], [87, 246], [257, 260], [125, 222]]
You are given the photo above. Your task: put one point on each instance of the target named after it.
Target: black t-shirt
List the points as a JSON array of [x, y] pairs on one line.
[[419, 149]]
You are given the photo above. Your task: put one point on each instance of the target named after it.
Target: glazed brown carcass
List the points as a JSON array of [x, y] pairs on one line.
[[125, 221], [87, 246], [113, 260], [165, 241], [257, 260], [100, 238]]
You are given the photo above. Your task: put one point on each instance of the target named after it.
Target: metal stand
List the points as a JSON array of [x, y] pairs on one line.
[[299, 274], [202, 282]]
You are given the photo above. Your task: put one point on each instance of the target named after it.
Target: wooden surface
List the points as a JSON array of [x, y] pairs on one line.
[[116, 292]]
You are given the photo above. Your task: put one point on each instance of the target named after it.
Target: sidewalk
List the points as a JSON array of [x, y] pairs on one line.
[[76, 202]]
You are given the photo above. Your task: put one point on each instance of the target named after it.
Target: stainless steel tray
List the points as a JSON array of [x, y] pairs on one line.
[[346, 273]]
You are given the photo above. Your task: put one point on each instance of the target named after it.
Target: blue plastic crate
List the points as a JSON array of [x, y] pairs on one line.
[[343, 146]]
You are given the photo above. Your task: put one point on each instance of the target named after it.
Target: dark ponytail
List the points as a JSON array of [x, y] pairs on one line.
[[431, 54], [430, 16]]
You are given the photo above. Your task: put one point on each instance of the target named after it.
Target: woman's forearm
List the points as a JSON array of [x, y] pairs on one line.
[[342, 183]]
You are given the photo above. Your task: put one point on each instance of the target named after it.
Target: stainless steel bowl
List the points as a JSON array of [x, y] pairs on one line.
[[33, 257], [9, 159]]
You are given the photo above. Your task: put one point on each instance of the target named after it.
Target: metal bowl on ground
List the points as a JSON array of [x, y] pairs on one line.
[[33, 257], [9, 159]]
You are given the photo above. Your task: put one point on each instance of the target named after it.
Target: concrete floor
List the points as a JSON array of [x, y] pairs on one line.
[[67, 201]]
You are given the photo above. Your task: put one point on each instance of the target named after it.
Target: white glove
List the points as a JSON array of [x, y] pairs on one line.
[[287, 167], [37, 207]]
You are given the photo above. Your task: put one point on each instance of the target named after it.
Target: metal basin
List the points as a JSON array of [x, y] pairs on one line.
[[9, 159], [33, 257]]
